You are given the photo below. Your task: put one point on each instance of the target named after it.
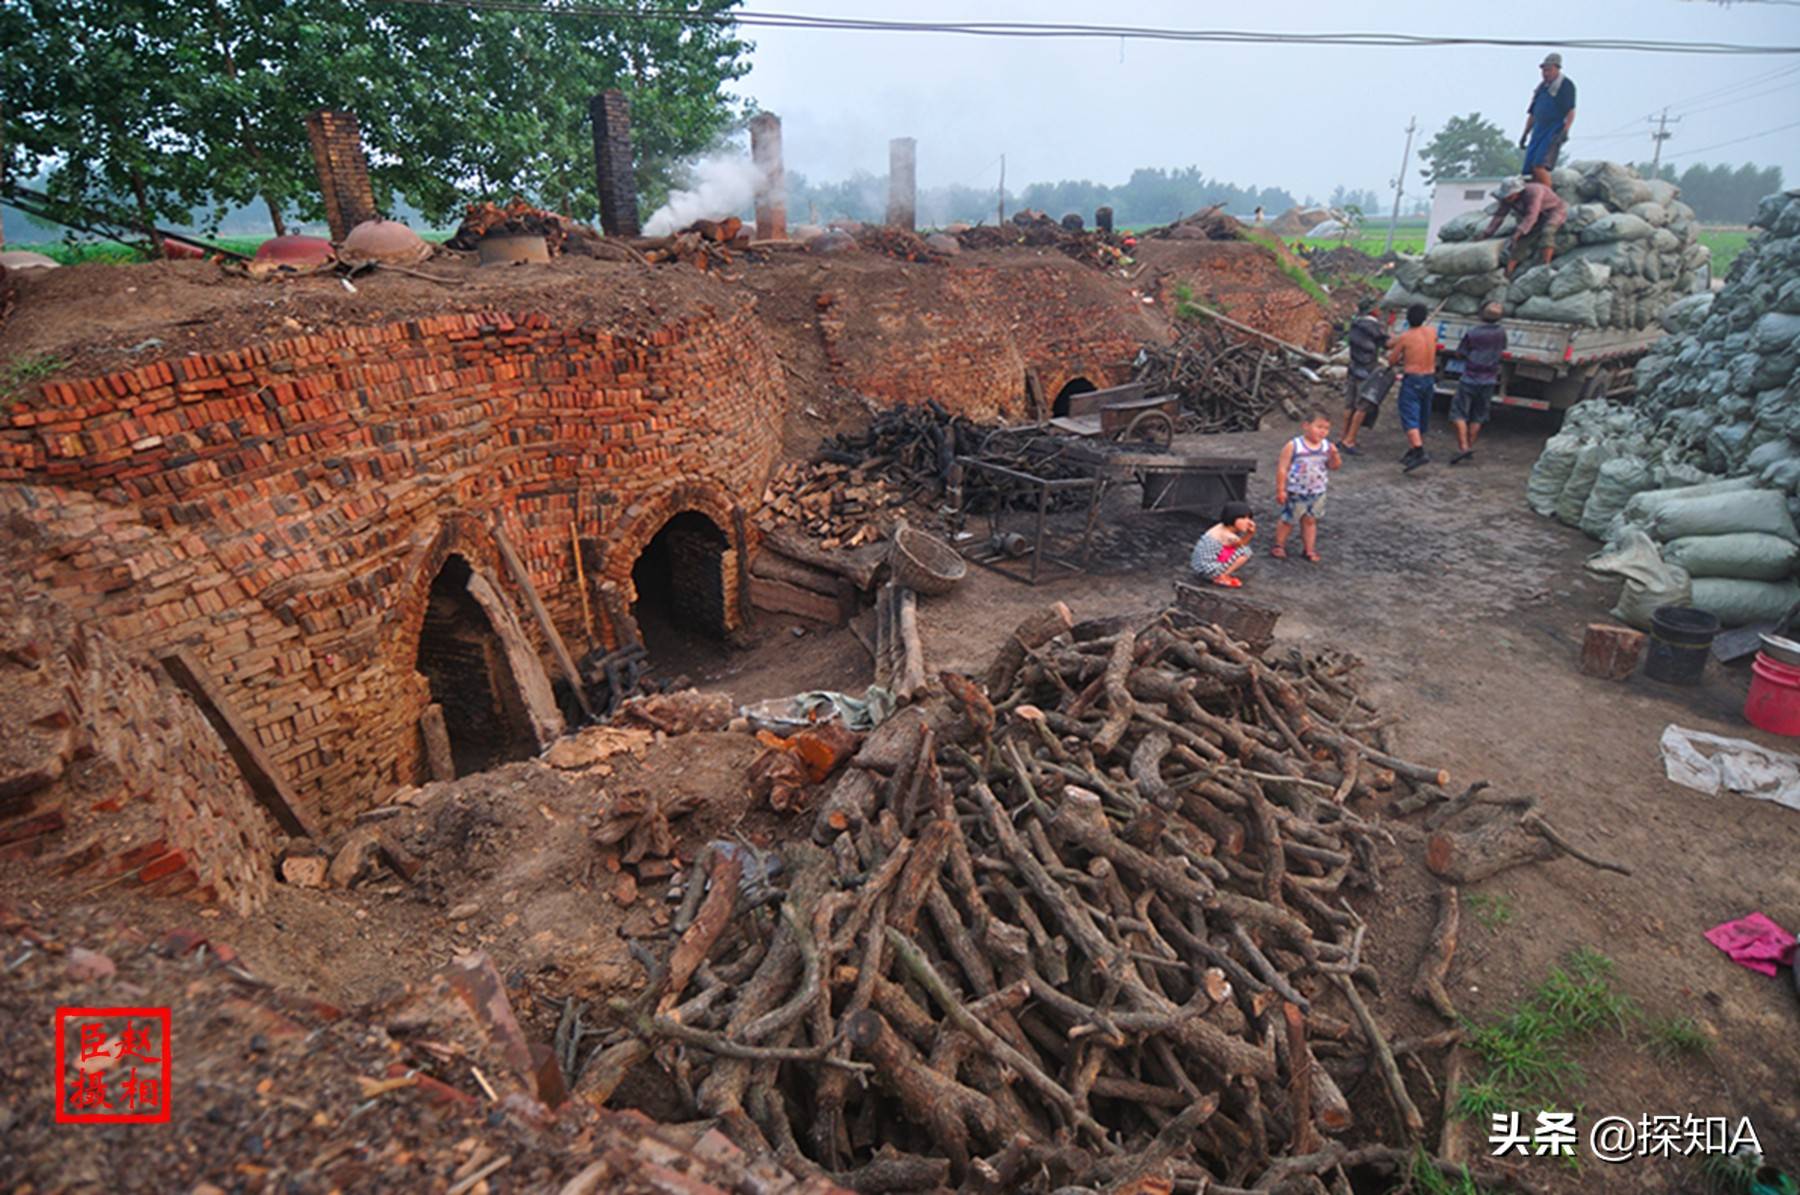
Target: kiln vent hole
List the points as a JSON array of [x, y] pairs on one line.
[[466, 665], [1074, 387], [681, 593]]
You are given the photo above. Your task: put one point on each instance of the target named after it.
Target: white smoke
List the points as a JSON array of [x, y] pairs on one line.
[[722, 186]]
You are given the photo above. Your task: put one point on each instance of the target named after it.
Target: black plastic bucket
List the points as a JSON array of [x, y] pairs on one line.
[[1680, 640]]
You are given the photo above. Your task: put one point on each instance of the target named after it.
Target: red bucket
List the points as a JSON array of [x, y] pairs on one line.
[[1774, 701]]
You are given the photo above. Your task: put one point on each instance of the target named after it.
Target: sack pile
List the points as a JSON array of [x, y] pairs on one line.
[[1705, 465], [1629, 248]]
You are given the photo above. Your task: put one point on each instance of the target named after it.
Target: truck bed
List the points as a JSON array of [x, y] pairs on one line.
[[1548, 343]]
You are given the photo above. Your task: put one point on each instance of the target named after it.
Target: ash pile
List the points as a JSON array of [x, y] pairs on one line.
[[1630, 248]]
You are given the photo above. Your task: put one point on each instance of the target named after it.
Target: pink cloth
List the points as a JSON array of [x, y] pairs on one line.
[[1754, 942], [1226, 554]]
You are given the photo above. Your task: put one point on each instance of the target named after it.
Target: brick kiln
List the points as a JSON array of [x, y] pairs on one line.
[[324, 521]]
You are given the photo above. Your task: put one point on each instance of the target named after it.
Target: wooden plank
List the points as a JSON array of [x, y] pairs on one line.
[[779, 597], [260, 772], [438, 759], [557, 647]]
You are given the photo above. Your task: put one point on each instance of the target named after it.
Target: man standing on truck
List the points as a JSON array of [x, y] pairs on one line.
[[1547, 119], [1539, 210], [1480, 350], [1367, 339]]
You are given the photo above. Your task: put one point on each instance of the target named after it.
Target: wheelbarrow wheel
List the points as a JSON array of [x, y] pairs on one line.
[[1151, 427]]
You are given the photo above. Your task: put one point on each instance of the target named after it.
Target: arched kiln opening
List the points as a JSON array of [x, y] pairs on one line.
[[1074, 386], [462, 657], [681, 591]]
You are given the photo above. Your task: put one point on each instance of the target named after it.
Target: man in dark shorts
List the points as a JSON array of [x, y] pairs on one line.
[[1547, 119], [1367, 340], [1480, 350]]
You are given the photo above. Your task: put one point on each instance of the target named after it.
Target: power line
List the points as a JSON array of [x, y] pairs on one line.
[[1049, 30], [1630, 126], [1688, 153]]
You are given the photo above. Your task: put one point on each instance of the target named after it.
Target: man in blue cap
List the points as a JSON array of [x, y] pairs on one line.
[[1547, 119]]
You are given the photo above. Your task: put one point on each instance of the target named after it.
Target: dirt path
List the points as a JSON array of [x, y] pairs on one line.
[[1470, 610]]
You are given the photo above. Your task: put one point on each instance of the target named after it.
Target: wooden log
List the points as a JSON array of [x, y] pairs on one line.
[[1611, 652], [860, 565], [262, 775], [911, 678], [558, 648], [1031, 633], [1492, 847], [697, 942], [780, 597], [438, 760], [773, 566], [1428, 986]]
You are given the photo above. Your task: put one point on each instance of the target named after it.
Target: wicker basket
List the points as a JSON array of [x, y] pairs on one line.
[[924, 563]]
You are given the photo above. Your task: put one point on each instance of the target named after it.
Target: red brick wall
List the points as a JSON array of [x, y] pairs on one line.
[[283, 508], [967, 334], [109, 770]]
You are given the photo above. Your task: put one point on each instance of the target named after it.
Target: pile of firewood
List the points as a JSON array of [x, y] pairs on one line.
[[841, 506], [519, 218], [1081, 923], [1040, 231], [1226, 384], [703, 244], [1207, 224], [900, 243]]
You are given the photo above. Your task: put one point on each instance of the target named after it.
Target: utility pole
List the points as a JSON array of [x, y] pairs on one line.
[[1661, 135], [1412, 126], [1002, 218]]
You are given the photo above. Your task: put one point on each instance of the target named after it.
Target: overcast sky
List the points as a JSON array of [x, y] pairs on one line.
[[1297, 117]]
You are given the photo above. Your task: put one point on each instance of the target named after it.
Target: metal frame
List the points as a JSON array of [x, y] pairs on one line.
[[1045, 487]]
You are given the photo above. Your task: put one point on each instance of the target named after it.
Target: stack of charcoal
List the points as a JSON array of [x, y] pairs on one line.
[[900, 243], [1034, 229], [1079, 923], [1628, 250], [1208, 224], [1226, 384]]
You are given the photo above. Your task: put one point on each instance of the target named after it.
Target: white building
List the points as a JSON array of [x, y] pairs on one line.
[[1453, 197]]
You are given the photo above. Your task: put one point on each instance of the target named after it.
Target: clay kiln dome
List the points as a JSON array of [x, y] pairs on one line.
[[384, 240]]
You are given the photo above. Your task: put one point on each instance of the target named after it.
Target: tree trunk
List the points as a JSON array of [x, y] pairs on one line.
[[275, 220]]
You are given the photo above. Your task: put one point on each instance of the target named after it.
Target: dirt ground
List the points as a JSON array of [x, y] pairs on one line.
[[1469, 611]]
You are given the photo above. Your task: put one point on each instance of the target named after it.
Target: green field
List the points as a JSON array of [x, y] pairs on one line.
[[76, 252]]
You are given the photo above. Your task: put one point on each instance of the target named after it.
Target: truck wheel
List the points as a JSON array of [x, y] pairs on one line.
[[1594, 387]]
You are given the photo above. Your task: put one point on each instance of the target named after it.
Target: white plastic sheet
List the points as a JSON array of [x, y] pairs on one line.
[[1714, 764]]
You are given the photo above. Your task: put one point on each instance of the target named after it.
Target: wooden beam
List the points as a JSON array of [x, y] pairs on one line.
[[766, 593], [260, 772], [557, 647]]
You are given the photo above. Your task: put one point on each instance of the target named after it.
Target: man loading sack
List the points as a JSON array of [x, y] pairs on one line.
[[1538, 208]]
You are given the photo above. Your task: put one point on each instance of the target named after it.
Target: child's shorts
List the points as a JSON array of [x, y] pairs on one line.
[[1416, 390], [1299, 506]]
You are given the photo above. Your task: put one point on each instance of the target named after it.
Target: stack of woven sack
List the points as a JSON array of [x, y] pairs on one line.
[[1705, 464], [1628, 249]]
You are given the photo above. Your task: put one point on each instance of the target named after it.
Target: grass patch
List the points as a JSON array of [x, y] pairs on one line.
[[1493, 910], [1296, 273], [1425, 1178], [1526, 1055], [1677, 1037], [21, 372]]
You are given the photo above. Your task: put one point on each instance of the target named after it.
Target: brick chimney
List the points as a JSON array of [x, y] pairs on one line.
[[611, 114], [771, 188], [903, 182], [343, 170]]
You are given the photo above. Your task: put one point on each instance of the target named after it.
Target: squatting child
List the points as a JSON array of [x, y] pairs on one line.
[[1301, 477], [1223, 550]]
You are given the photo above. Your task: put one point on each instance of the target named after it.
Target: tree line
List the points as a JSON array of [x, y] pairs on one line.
[[1152, 195], [177, 114]]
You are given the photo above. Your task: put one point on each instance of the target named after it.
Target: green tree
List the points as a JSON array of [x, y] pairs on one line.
[[191, 103], [1469, 147]]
